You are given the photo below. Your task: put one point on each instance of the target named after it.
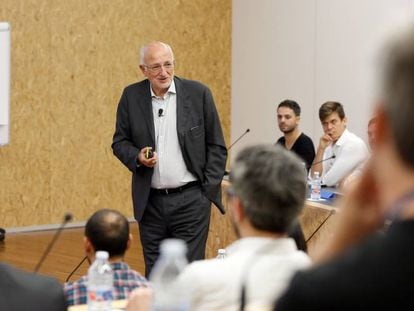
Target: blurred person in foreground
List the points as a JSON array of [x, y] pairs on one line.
[[21, 291], [267, 194], [360, 269], [356, 173]]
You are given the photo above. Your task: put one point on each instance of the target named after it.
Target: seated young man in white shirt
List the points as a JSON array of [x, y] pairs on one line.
[[342, 150]]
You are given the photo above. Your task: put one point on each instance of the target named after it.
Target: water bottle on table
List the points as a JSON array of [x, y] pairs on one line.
[[221, 253], [316, 187], [100, 283], [169, 293]]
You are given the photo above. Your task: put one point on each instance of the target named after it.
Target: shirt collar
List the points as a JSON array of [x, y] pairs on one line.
[[119, 265], [343, 137], [260, 244], [171, 89]]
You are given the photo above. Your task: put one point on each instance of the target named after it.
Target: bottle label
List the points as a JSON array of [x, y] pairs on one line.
[[316, 193], [101, 299]]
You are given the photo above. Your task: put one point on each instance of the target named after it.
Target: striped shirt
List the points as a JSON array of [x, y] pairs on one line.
[[125, 281]]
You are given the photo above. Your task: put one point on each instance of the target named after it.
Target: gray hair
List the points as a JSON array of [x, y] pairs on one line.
[[271, 184], [398, 91], [144, 49]]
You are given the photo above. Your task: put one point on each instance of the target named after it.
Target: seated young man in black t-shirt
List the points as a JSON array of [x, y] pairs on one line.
[[288, 117]]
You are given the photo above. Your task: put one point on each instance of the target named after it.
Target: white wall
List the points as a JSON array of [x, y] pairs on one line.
[[311, 51], [4, 83]]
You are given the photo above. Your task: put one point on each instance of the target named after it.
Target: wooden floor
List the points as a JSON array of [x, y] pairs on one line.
[[24, 250]]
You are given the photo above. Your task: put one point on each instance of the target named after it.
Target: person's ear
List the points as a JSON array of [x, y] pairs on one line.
[[88, 245], [237, 210], [130, 238], [143, 70], [382, 124]]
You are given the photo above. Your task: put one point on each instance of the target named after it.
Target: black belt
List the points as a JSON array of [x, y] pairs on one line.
[[176, 190]]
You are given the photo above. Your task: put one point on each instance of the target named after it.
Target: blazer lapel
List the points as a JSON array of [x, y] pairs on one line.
[[146, 107], [183, 108]]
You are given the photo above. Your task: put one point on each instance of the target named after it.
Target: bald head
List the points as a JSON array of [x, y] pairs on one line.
[[154, 47], [108, 230], [157, 64]]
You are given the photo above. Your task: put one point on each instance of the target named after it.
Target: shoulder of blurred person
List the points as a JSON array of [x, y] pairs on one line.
[[21, 290], [264, 265], [367, 264]]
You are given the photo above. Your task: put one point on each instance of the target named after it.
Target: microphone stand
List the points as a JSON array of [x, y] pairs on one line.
[[240, 137], [320, 225], [323, 160], [75, 269], [66, 219]]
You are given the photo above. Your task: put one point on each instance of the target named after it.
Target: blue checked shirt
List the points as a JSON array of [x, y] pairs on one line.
[[125, 281]]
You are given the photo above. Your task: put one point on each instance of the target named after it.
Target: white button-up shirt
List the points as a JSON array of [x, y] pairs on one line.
[[170, 170], [350, 151]]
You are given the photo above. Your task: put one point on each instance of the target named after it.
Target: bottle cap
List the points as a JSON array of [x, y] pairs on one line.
[[102, 255], [173, 247]]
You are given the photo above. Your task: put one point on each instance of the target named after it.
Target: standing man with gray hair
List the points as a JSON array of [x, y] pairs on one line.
[[168, 134], [267, 194], [361, 269]]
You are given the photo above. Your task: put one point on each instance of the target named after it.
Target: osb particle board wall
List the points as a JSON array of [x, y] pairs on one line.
[[70, 62]]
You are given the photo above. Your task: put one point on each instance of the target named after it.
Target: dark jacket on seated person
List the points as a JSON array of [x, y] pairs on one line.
[[28, 291]]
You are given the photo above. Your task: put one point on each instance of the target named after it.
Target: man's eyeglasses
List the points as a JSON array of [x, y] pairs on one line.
[[158, 67]]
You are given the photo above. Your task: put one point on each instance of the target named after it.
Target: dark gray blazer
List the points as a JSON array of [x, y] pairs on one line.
[[199, 134], [21, 291]]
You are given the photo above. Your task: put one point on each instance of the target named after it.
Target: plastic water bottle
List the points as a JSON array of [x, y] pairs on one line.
[[100, 283], [316, 187], [169, 293], [221, 253]]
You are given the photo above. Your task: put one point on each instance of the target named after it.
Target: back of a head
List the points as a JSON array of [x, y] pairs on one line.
[[108, 230], [270, 182], [398, 91], [330, 107], [292, 105]]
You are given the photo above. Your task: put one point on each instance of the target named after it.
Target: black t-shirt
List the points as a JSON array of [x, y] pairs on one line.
[[303, 147]]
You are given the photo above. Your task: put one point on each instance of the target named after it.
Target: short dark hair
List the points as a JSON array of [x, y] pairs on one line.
[[108, 230], [330, 107], [398, 91], [271, 184], [292, 105]]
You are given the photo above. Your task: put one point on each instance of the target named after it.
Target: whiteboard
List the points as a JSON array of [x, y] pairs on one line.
[[4, 83]]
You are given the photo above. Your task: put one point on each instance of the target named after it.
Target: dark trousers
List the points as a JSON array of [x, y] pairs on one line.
[[184, 215]]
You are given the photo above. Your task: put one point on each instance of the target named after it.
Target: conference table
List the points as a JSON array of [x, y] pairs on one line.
[[116, 305]]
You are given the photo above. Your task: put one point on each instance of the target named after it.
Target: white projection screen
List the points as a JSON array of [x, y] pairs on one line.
[[4, 83]]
